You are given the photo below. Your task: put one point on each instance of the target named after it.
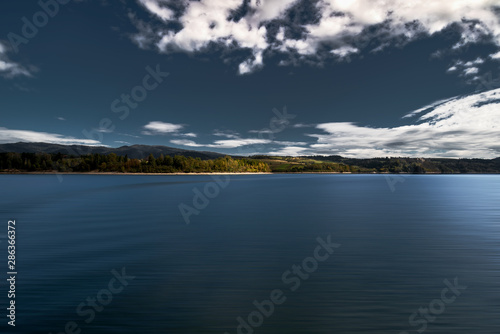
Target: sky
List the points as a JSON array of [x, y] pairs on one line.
[[357, 78]]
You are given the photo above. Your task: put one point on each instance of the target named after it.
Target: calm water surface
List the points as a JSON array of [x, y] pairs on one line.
[[397, 248]]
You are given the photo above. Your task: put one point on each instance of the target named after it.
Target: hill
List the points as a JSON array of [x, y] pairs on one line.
[[394, 165], [133, 152]]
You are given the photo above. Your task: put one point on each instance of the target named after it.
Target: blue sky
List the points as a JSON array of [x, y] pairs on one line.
[[358, 78]]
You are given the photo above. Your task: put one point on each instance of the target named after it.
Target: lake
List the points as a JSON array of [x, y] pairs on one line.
[[253, 253]]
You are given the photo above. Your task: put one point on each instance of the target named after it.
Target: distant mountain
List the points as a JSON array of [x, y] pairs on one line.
[[133, 152]]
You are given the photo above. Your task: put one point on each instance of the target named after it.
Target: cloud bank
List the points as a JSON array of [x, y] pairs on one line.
[[14, 136], [462, 127], [310, 28]]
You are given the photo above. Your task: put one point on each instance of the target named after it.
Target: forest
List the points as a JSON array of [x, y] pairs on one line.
[[101, 163], [395, 165], [44, 162]]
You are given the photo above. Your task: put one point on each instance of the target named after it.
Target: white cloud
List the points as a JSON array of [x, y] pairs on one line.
[[155, 7], [61, 118], [280, 36], [477, 61], [161, 128], [289, 143], [290, 151], [234, 140], [9, 68], [250, 65], [344, 51], [233, 143], [302, 125], [14, 136], [225, 143], [495, 55], [467, 68], [122, 142], [103, 130], [471, 34], [430, 106], [261, 131], [189, 134], [464, 127], [227, 134], [471, 70], [340, 25], [185, 142]]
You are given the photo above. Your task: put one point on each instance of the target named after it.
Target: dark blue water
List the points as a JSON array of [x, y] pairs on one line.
[[398, 245]]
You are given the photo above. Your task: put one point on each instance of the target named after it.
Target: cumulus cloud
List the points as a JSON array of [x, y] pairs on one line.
[[471, 70], [14, 136], [156, 7], [8, 68], [338, 26], [226, 143], [495, 55], [161, 128], [344, 51], [462, 127], [467, 68]]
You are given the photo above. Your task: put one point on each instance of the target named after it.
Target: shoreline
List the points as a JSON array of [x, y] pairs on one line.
[[117, 173], [230, 173]]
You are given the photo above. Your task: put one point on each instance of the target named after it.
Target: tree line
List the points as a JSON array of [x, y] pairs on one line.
[[381, 165], [57, 162]]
